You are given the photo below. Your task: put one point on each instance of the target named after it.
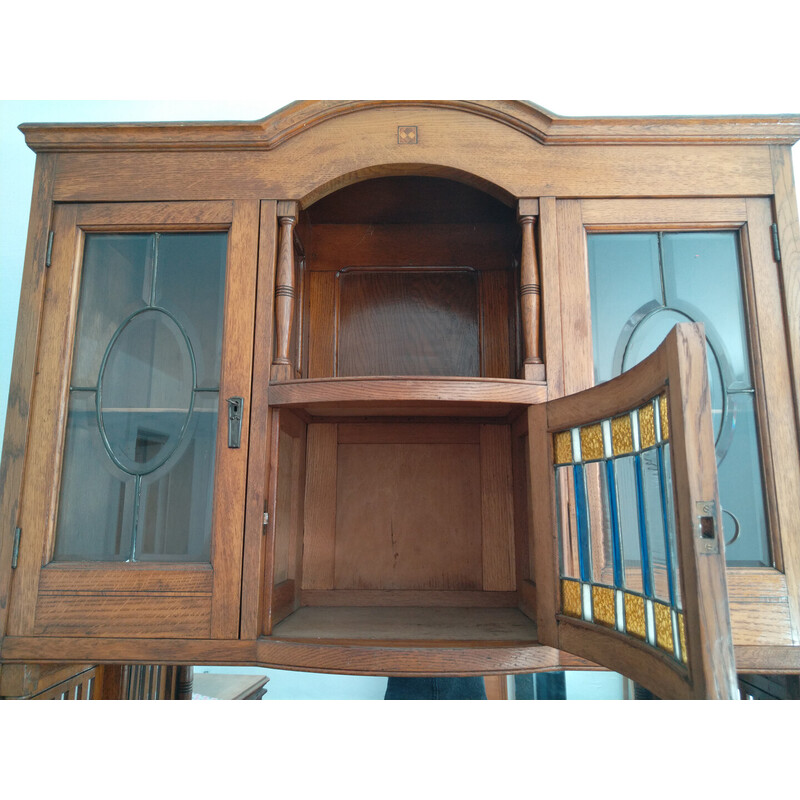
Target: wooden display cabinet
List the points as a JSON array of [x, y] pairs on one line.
[[365, 387]]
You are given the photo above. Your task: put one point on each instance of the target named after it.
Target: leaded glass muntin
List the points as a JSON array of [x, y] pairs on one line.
[[632, 614], [152, 464], [592, 545], [720, 373]]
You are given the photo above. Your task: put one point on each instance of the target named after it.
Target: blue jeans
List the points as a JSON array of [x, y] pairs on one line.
[[435, 689]]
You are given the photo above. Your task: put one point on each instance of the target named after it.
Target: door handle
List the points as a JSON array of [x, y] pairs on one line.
[[235, 408]]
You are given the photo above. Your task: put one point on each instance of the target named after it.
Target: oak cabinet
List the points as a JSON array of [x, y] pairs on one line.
[[335, 391]]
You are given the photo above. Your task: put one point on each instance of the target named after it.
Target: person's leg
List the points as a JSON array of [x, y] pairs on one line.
[[435, 689]]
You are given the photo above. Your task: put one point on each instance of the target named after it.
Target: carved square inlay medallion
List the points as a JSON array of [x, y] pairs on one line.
[[407, 134]]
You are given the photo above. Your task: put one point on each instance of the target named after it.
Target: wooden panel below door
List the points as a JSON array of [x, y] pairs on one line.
[[73, 579], [761, 623], [124, 615]]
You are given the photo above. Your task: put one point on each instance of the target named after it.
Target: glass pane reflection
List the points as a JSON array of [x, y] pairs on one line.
[[138, 468], [641, 284]]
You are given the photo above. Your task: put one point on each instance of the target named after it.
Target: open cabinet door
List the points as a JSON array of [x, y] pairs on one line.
[[630, 565]]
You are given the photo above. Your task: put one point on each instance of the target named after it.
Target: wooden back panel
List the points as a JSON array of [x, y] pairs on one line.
[[409, 506], [408, 322]]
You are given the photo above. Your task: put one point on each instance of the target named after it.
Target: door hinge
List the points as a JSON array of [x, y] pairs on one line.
[[15, 551], [776, 243], [265, 521], [49, 257]]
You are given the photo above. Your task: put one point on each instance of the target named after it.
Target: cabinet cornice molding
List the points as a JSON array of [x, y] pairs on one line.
[[533, 121]]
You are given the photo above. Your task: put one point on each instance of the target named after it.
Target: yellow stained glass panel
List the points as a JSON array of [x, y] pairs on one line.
[[662, 406], [571, 598], [603, 605], [647, 426], [663, 616], [682, 634], [562, 447], [621, 435], [592, 442], [634, 616]]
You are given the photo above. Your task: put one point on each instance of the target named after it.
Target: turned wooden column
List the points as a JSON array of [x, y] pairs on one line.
[[530, 294], [282, 366], [183, 685]]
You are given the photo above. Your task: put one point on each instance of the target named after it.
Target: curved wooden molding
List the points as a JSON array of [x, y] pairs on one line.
[[532, 120], [483, 394]]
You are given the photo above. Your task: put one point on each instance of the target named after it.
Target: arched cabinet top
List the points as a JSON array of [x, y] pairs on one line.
[[303, 116], [509, 149]]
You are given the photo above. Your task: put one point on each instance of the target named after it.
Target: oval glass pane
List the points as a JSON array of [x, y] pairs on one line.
[[147, 383], [649, 334]]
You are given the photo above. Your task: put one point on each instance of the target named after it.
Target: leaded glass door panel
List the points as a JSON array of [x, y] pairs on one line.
[[628, 519], [146, 353]]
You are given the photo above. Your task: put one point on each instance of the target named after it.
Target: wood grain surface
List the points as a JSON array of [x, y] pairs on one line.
[[405, 512]]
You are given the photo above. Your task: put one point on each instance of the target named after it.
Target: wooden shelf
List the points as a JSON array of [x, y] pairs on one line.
[[482, 626], [423, 396]]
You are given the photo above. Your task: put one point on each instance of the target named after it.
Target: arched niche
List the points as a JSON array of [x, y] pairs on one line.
[[407, 274], [415, 170]]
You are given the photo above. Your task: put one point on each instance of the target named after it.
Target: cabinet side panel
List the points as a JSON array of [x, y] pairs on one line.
[[284, 523], [497, 320], [497, 508], [786, 217], [22, 374], [37, 510], [778, 397], [286, 516], [321, 346], [320, 510], [521, 485]]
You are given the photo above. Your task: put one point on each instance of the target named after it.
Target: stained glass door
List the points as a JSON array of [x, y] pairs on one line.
[[629, 556]]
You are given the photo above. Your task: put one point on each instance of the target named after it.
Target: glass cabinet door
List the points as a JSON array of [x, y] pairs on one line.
[[643, 265], [139, 431], [692, 276], [138, 468], [628, 548]]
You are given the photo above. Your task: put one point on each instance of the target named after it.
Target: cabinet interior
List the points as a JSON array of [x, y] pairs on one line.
[[406, 519]]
